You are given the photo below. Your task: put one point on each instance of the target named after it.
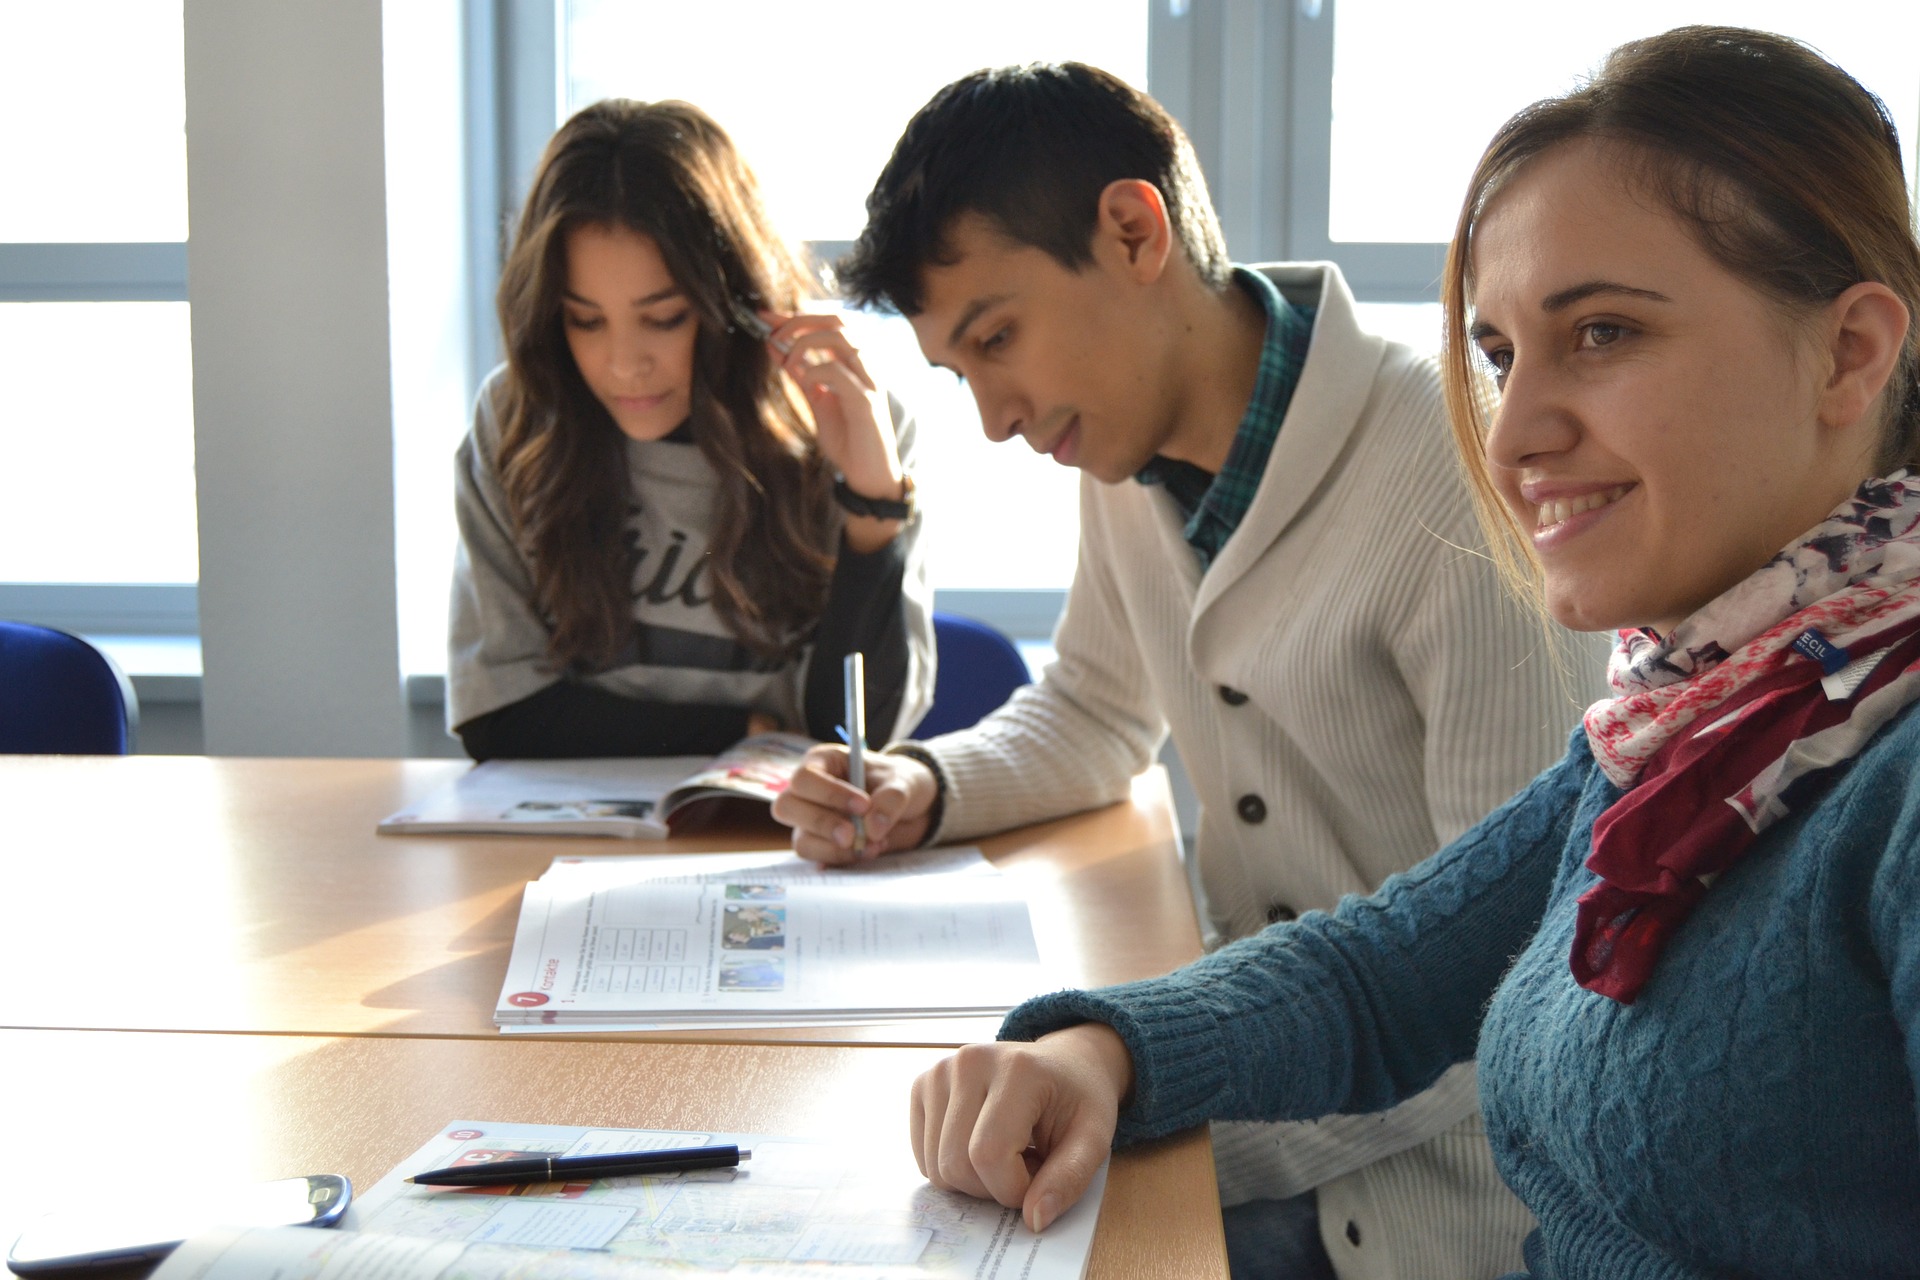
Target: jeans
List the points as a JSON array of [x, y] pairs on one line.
[[1276, 1240]]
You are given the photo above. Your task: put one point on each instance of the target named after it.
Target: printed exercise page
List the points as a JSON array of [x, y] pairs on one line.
[[796, 1208], [939, 933]]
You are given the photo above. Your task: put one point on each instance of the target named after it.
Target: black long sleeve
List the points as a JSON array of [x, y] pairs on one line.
[[569, 720], [865, 614]]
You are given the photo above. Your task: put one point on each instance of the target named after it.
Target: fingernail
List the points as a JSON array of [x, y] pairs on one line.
[[843, 835], [1045, 1210]]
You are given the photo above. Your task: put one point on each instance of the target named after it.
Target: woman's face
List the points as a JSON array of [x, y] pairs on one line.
[[630, 329], [1659, 424]]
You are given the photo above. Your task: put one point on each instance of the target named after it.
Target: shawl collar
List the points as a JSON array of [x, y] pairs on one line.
[[1329, 399]]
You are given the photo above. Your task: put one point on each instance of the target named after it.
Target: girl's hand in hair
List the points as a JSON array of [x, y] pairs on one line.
[[850, 414]]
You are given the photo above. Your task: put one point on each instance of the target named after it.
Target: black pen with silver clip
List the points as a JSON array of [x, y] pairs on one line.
[[609, 1164]]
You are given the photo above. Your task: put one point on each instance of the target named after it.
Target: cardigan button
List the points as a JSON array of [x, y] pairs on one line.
[[1252, 809], [1232, 696], [1281, 911]]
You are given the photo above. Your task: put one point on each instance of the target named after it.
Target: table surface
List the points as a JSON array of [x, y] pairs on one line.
[[202, 894], [226, 1107]]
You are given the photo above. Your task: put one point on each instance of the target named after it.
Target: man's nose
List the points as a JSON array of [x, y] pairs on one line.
[[1001, 416]]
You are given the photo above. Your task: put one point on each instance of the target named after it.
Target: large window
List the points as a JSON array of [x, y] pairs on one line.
[[97, 517], [1336, 128]]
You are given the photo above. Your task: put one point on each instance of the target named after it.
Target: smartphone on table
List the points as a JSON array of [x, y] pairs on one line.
[[144, 1223]]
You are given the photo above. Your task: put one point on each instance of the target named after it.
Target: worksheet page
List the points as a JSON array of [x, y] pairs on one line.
[[717, 936], [794, 1209]]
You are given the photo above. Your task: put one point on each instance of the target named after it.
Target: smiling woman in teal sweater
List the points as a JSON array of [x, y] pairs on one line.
[[1685, 385]]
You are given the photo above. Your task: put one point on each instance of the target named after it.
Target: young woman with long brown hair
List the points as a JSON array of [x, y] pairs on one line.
[[683, 499], [1686, 388]]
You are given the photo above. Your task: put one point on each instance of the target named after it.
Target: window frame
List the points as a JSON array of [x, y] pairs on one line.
[[1252, 83], [99, 271]]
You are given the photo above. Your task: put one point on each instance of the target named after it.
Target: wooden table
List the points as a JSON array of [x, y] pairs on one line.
[[197, 894], [221, 1107]]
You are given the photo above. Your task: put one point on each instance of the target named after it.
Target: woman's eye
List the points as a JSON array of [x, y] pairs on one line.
[[1601, 335], [668, 323], [583, 323], [1499, 361], [997, 339]]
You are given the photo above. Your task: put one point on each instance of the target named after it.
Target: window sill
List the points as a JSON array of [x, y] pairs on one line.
[[162, 668]]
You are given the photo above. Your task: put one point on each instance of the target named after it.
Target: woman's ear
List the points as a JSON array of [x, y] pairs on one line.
[[1132, 224], [1866, 332]]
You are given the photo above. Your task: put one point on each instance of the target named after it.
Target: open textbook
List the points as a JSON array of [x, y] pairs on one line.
[[797, 1209], [636, 798], [706, 940]]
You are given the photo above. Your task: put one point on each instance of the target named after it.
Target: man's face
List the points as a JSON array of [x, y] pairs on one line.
[[1073, 362]]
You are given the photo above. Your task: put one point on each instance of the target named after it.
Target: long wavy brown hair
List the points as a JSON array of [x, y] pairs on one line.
[[667, 171]]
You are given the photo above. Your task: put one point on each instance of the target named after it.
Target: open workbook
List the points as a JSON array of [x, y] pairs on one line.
[[636, 798], [731, 939], [796, 1209]]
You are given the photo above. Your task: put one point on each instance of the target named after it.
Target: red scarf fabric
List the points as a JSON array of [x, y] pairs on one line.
[[1738, 718]]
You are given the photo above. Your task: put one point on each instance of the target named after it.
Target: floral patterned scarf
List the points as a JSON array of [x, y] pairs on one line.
[[1738, 718]]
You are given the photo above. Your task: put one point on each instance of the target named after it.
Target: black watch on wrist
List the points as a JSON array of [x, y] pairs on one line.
[[875, 508]]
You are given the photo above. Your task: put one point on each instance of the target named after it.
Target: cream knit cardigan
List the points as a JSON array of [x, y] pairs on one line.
[[1393, 695]]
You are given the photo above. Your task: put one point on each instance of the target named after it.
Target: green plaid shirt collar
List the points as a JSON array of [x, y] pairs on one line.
[[1214, 505]]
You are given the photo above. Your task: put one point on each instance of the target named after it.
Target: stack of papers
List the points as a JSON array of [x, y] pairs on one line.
[[765, 939], [798, 1210]]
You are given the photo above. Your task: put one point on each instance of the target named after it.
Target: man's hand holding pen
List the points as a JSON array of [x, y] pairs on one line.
[[820, 805]]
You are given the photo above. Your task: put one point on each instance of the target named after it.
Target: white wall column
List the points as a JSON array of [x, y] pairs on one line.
[[293, 436]]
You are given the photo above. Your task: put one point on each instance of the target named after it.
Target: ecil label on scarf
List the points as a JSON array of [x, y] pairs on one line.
[[1831, 657]]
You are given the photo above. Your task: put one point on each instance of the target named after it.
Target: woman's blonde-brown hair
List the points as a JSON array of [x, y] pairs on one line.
[[1785, 169], [669, 172]]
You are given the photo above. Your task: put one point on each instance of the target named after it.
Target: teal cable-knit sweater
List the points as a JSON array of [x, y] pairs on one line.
[[1752, 1113]]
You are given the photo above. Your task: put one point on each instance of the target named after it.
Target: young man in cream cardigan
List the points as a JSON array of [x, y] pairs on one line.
[[1276, 562]]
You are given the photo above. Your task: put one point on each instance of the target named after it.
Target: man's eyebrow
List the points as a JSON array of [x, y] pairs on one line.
[[972, 313], [671, 291], [1593, 288]]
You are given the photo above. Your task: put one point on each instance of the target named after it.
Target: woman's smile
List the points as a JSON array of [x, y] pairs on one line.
[[1564, 512]]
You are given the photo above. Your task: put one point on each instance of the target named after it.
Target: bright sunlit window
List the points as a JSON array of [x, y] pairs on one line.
[[96, 412], [96, 397], [93, 112], [429, 291], [1419, 87]]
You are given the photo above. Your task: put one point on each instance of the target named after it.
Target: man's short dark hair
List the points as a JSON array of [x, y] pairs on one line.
[[1031, 149]]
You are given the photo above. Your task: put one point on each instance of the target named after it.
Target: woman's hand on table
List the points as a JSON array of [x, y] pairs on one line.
[[1027, 1125]]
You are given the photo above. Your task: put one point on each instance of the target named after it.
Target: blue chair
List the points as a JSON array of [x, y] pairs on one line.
[[979, 668], [61, 696]]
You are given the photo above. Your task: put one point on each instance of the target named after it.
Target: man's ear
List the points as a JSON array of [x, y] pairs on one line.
[[1132, 225], [1866, 332]]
